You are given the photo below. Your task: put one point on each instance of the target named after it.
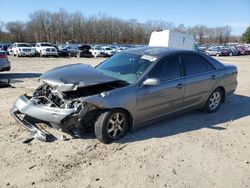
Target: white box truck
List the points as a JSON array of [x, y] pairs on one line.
[[166, 38]]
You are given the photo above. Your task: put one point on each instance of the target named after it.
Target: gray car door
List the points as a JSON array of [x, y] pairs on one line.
[[201, 77], [156, 101]]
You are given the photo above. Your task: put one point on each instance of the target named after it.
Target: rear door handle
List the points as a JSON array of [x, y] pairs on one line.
[[213, 77], [180, 85]]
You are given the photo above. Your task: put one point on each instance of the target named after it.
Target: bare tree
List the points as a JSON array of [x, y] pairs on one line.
[[16, 31], [41, 23], [199, 32]]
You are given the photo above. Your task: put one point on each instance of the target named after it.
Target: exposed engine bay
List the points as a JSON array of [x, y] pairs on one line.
[[47, 95]]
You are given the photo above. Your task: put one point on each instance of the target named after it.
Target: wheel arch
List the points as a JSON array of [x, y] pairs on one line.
[[223, 92]]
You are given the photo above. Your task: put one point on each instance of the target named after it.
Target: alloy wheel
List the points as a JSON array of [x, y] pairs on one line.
[[116, 125], [214, 100]]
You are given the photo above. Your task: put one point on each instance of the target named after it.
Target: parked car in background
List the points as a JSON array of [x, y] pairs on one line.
[[45, 49], [202, 49], [96, 51], [60, 52], [119, 49], [113, 48], [243, 50], [107, 51], [10, 50], [32, 44], [213, 51], [127, 91], [4, 47], [22, 49], [84, 51], [4, 62], [225, 51], [232, 51], [70, 49]]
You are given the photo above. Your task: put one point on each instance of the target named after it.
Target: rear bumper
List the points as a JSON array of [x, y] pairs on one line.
[[5, 69], [25, 106], [5, 65]]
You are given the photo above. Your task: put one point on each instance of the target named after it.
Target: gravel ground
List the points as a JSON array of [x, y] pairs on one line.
[[190, 150]]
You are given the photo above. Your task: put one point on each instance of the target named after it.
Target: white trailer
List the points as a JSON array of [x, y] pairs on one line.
[[166, 38]]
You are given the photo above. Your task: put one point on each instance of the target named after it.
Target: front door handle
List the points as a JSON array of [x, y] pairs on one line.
[[180, 85]]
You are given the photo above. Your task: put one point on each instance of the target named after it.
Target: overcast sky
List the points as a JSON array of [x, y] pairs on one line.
[[211, 13]]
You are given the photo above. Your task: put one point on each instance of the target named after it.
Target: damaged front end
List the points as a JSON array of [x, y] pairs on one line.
[[62, 109]]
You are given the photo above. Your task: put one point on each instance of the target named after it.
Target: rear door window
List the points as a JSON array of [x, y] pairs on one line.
[[195, 64]]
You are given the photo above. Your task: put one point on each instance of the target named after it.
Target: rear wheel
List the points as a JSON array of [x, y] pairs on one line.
[[111, 125], [214, 101]]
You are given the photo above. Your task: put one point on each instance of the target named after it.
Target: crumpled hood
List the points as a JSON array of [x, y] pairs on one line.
[[70, 77]]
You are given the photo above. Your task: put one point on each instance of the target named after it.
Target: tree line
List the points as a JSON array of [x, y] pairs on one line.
[[62, 26]]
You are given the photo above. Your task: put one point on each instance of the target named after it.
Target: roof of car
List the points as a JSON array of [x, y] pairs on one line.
[[156, 51]]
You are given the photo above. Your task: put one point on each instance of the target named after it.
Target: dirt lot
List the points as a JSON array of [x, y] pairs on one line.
[[192, 150]]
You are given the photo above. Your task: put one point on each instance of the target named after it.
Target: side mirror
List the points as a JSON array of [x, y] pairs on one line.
[[151, 82]]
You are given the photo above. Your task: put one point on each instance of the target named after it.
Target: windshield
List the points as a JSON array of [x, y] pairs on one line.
[[45, 44], [23, 45], [126, 66]]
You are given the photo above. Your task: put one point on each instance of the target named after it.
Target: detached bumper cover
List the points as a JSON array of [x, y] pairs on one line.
[[25, 106]]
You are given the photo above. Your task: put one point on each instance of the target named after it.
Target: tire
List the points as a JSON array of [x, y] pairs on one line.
[[111, 125], [214, 101]]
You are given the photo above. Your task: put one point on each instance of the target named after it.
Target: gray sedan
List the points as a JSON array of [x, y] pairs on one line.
[[126, 91]]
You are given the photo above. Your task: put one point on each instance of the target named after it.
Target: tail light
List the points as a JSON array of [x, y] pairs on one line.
[[3, 56]]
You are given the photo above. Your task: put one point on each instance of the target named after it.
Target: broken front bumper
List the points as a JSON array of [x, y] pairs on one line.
[[28, 106]]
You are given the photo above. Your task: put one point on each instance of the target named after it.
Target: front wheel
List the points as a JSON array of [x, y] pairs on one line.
[[213, 101], [111, 125]]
